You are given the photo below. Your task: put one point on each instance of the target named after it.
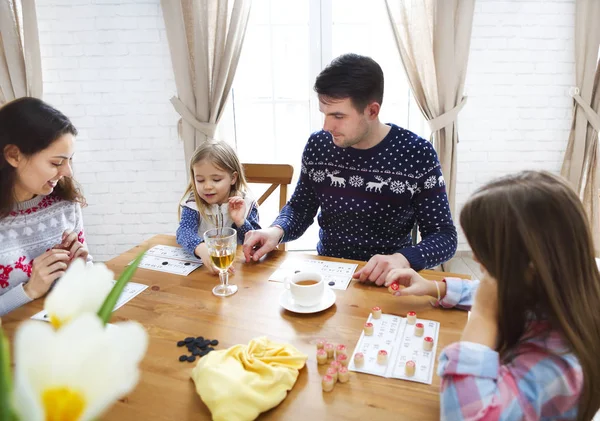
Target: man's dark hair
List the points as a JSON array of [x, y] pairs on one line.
[[351, 76]]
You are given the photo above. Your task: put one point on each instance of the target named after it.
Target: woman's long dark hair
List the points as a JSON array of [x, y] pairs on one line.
[[531, 234], [31, 125]]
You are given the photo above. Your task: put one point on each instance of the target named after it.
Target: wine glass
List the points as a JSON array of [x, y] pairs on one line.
[[222, 244]]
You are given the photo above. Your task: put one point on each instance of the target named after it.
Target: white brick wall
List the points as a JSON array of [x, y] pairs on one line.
[[107, 66], [518, 114]]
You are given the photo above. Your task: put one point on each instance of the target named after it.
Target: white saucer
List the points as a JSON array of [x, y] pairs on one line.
[[286, 301]]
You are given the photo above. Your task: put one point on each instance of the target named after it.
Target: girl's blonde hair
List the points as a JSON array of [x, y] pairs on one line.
[[531, 233], [222, 156]]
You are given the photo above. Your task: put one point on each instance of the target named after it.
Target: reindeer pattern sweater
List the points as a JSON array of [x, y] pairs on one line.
[[370, 200]]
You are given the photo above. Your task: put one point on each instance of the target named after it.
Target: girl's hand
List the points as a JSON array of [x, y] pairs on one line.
[[482, 327], [485, 304], [414, 283], [46, 269], [70, 242], [202, 252], [237, 210]]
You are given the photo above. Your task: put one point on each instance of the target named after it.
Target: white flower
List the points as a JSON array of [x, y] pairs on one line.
[[82, 289], [77, 372]]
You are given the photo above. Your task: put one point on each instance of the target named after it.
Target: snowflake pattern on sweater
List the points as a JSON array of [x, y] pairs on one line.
[[370, 199]]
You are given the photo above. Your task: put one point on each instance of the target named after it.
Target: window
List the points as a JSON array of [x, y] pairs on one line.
[[273, 109]]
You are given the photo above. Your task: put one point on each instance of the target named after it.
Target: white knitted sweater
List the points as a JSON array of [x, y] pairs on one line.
[[32, 228]]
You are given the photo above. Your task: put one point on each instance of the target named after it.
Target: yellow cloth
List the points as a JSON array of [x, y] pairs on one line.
[[239, 383]]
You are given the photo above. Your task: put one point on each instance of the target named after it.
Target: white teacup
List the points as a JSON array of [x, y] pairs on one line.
[[307, 288]]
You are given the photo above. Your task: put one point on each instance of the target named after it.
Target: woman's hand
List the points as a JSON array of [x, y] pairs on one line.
[[46, 269], [70, 242]]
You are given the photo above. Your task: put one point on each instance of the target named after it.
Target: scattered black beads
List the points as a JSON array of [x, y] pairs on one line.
[[198, 347]]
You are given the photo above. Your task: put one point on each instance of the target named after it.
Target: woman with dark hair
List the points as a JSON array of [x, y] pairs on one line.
[[41, 229]]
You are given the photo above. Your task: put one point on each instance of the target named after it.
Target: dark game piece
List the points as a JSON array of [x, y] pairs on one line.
[[214, 342], [183, 358], [191, 359], [180, 343], [332, 283]]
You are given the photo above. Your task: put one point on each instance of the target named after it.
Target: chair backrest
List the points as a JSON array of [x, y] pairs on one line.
[[278, 175]]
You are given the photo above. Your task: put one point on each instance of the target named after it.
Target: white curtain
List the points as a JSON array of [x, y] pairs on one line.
[[433, 39], [580, 165], [205, 38], [20, 60]]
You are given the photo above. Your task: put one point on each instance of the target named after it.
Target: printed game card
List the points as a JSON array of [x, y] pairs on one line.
[[336, 275], [131, 290], [170, 259], [394, 335]]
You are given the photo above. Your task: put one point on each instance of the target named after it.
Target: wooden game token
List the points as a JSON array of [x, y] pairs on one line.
[[394, 287], [419, 329], [321, 343], [382, 357], [336, 365], [341, 349], [330, 349], [411, 317], [376, 312], [409, 368], [359, 359], [343, 375], [368, 329], [321, 357], [428, 343], [343, 359], [333, 373], [327, 383]]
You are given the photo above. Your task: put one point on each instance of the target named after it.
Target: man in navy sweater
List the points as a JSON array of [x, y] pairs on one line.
[[372, 181]]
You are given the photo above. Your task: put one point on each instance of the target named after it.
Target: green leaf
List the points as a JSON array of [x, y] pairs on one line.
[[5, 379], [111, 300]]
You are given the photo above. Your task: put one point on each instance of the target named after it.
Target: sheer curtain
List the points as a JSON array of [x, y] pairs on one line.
[[580, 165], [433, 39], [20, 60], [205, 39]]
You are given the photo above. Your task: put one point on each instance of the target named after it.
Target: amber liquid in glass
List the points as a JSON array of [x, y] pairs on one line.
[[222, 261]]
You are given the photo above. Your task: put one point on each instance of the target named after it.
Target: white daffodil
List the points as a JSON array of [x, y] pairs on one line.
[[77, 372], [82, 289]]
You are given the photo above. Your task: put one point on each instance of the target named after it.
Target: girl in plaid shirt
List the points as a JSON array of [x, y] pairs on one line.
[[530, 350]]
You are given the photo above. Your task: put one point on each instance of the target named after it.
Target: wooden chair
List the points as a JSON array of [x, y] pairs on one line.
[[278, 175]]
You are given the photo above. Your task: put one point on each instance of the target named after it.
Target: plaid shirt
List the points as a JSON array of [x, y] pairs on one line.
[[543, 382]]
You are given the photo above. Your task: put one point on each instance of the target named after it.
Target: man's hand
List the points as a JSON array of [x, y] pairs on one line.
[[257, 243], [377, 268]]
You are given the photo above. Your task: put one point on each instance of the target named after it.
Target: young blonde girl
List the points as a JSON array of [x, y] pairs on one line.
[[216, 178], [531, 347]]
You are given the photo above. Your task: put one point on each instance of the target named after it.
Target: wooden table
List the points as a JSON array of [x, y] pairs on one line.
[[174, 307]]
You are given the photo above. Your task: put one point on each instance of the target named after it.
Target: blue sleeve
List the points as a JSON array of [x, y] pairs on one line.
[[187, 233], [300, 211], [460, 293], [438, 233], [251, 223]]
